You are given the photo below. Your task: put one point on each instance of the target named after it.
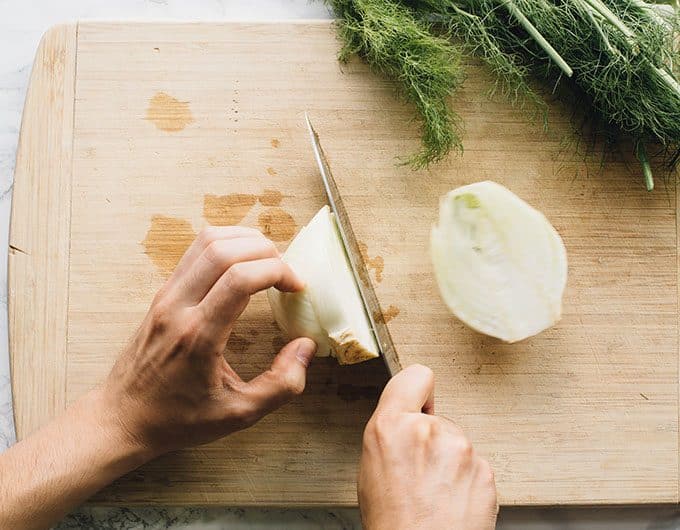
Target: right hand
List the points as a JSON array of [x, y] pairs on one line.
[[417, 470]]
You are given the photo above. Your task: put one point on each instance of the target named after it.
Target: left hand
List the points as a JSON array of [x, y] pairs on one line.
[[172, 387]]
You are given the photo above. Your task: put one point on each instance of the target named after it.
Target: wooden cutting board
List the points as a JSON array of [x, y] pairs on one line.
[[135, 136]]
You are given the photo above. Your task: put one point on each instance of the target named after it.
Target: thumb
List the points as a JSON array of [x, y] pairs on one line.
[[411, 390], [284, 380]]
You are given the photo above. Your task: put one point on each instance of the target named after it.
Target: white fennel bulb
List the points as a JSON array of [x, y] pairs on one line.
[[329, 310], [500, 265]]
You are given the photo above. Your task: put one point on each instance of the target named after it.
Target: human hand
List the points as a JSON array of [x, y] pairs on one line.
[[417, 470], [172, 387]]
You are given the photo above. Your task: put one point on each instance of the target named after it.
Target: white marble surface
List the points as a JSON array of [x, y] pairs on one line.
[[21, 25]]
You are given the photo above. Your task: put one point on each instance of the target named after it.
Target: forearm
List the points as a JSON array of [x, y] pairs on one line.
[[55, 469]]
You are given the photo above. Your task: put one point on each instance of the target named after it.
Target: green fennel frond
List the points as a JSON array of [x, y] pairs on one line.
[[617, 59], [427, 67]]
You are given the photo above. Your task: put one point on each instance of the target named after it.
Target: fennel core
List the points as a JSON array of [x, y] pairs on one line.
[[618, 59]]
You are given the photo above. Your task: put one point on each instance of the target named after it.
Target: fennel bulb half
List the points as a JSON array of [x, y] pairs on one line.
[[500, 265], [329, 310]]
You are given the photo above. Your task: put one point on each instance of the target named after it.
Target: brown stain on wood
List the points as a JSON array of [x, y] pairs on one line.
[[390, 313], [167, 113], [271, 198], [275, 143], [166, 241], [277, 224], [386, 316], [271, 171], [225, 210], [237, 343], [377, 264]]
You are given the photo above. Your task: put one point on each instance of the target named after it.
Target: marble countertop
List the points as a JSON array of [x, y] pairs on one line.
[[21, 26]]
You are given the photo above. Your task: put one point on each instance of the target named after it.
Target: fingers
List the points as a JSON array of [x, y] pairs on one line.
[[283, 381], [411, 390], [217, 257], [227, 299], [207, 236]]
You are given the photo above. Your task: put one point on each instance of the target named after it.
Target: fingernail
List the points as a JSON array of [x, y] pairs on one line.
[[305, 351]]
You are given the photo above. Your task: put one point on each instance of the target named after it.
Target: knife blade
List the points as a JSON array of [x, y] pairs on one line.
[[362, 279]]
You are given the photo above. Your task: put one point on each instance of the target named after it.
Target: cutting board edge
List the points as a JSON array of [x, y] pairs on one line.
[[518, 503], [40, 240], [86, 24]]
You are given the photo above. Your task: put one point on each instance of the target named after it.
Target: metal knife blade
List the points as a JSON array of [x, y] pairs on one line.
[[370, 300]]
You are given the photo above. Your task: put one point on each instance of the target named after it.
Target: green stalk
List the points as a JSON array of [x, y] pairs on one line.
[[672, 83], [646, 167], [598, 28], [651, 12], [611, 17], [540, 39], [608, 15]]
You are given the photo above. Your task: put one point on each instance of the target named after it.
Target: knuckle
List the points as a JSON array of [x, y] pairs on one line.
[[216, 253], [287, 383], [383, 424], [378, 429], [369, 439], [296, 387], [162, 316], [237, 279], [462, 447], [436, 425], [189, 331], [208, 234], [423, 431]]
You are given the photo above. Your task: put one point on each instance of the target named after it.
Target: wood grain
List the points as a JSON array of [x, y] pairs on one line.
[[39, 234], [584, 413]]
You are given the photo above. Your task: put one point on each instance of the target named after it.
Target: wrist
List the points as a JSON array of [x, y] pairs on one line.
[[121, 447]]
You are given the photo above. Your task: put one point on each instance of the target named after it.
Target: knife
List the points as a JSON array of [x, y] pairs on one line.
[[370, 301]]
